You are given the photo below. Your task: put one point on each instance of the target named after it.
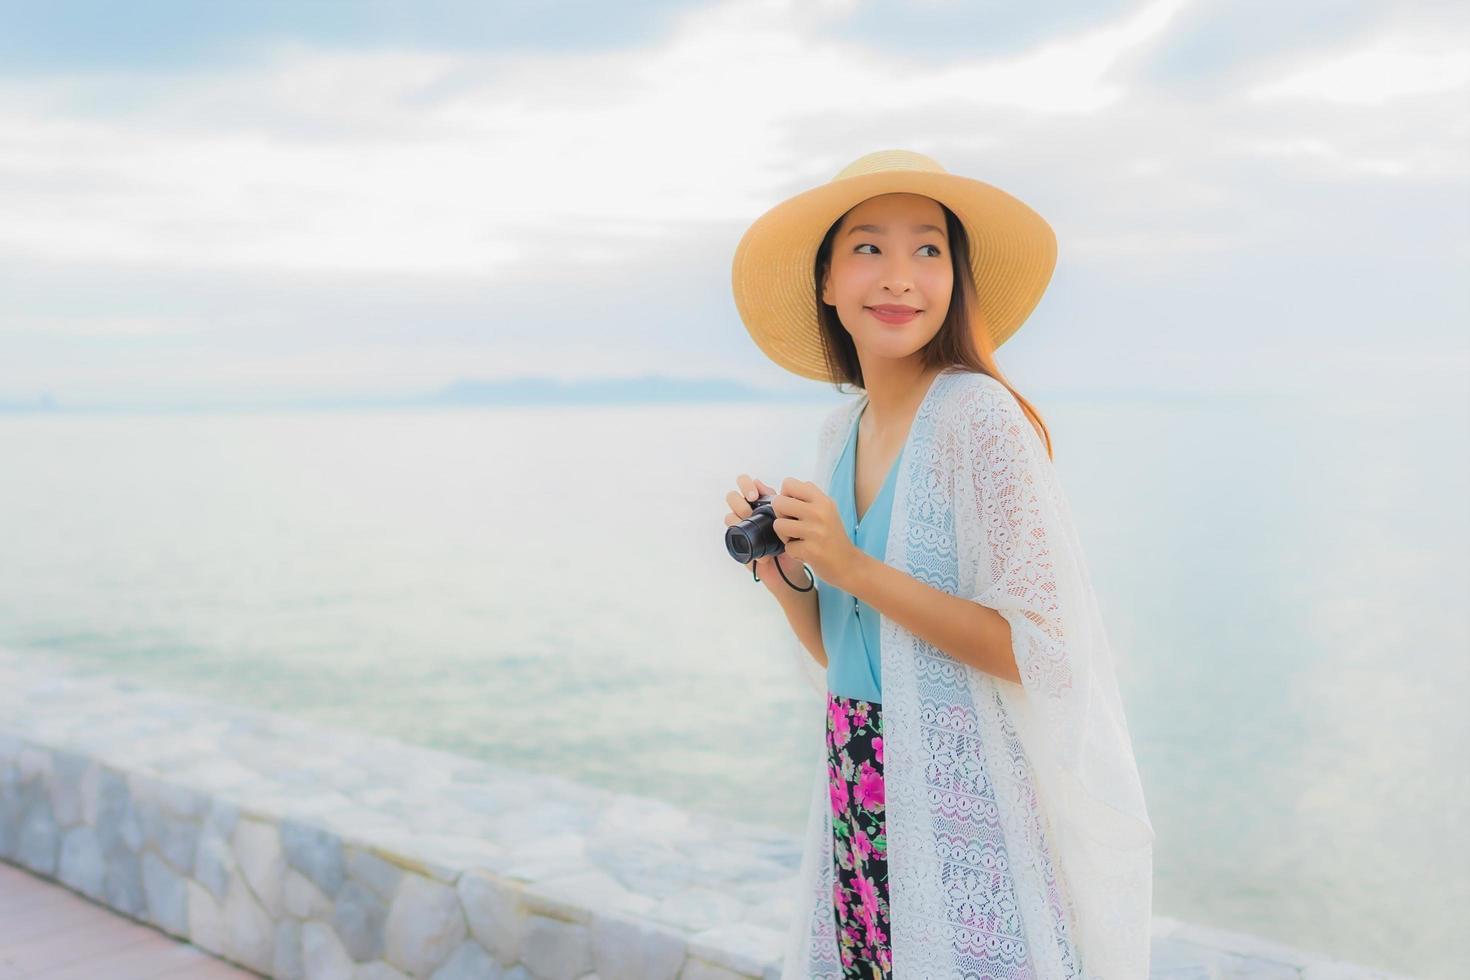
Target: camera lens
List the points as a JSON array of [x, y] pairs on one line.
[[754, 537], [738, 545]]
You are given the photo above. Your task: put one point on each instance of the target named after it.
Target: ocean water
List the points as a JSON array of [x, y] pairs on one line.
[[1284, 582]]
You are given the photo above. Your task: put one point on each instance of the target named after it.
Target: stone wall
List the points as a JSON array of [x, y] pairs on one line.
[[301, 851]]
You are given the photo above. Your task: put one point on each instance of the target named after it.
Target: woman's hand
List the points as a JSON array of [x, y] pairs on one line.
[[740, 502], [808, 523]]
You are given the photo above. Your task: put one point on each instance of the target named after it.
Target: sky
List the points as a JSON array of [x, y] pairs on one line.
[[254, 202]]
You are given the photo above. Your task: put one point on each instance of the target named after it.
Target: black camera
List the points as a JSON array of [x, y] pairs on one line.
[[754, 537]]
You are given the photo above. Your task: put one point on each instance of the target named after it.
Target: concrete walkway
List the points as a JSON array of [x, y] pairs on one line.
[[49, 932]]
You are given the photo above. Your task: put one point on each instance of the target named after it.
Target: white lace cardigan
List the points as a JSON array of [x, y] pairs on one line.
[[1017, 828]]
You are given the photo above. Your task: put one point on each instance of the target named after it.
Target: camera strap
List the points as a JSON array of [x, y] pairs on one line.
[[811, 579]]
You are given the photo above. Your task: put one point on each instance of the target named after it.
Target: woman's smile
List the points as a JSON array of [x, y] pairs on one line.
[[892, 313]]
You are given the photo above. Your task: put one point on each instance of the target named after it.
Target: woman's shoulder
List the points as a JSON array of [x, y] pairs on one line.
[[972, 396], [841, 410], [837, 417], [985, 412]]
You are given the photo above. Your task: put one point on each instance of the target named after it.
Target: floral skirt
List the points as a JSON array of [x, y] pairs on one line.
[[859, 836]]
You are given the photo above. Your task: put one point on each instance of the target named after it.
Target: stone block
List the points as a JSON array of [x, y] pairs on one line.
[[425, 924]]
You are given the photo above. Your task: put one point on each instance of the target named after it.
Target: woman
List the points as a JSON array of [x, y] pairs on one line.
[[976, 811]]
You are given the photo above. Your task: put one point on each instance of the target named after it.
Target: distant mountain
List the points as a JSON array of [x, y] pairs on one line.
[[41, 403], [647, 389]]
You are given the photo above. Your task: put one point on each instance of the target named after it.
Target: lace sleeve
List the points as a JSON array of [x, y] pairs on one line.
[[1020, 556]]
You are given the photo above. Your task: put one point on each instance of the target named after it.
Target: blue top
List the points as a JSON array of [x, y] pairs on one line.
[[849, 625]]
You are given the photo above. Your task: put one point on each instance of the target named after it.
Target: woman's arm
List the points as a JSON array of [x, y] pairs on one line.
[[803, 613], [969, 632], [812, 530]]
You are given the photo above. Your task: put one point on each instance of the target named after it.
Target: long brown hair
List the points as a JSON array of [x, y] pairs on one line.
[[954, 345]]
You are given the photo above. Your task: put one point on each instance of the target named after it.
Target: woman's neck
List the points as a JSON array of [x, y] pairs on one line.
[[894, 396]]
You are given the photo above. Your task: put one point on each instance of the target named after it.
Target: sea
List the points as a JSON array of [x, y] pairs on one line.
[[1283, 578]]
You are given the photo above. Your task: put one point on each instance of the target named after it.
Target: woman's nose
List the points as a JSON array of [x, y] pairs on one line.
[[897, 278]]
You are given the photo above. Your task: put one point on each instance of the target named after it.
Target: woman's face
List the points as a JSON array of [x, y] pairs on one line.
[[890, 252]]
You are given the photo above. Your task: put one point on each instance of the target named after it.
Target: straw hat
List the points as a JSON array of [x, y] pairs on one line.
[[1012, 253]]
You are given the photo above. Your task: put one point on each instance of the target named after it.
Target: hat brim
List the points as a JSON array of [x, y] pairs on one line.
[[1013, 252]]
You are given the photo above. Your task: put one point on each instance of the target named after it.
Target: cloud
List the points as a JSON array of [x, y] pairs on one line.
[[453, 164], [460, 200], [1071, 74], [1380, 71]]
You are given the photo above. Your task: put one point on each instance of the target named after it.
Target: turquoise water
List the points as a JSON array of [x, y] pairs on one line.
[[1284, 583]]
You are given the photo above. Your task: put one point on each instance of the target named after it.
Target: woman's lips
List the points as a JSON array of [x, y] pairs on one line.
[[893, 314]]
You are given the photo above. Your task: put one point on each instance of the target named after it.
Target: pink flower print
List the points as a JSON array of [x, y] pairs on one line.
[[839, 898], [878, 748], [863, 844], [837, 788], [837, 717], [868, 898], [869, 790], [877, 938]]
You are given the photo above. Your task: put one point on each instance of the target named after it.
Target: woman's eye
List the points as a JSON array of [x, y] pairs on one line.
[[872, 246]]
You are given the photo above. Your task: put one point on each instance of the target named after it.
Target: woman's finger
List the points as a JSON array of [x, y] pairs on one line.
[[738, 504], [788, 506], [785, 527], [799, 489]]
